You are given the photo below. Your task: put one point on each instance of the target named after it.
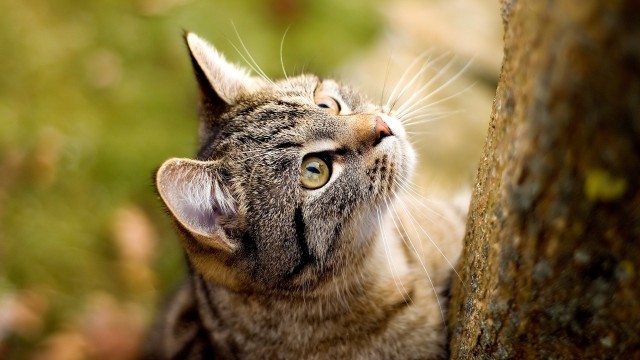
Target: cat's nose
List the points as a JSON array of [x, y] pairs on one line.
[[364, 131], [382, 130]]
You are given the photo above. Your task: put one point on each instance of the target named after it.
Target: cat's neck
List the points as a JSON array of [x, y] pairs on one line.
[[385, 288], [378, 276]]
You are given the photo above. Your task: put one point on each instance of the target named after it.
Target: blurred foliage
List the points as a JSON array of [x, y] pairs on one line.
[[94, 95]]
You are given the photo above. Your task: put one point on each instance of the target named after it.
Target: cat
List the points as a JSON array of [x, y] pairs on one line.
[[301, 237]]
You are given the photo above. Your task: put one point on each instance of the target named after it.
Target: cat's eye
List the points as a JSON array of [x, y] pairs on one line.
[[314, 172], [328, 103]]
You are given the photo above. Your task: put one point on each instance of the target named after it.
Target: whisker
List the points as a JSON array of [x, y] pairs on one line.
[[413, 187], [386, 78], [414, 222], [408, 241], [393, 97], [303, 67], [244, 58], [430, 62], [251, 61], [437, 102], [403, 110], [430, 117], [281, 58], [404, 74], [419, 141], [409, 102], [388, 255], [407, 187]]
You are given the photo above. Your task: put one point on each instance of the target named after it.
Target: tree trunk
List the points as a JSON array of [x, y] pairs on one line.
[[551, 265]]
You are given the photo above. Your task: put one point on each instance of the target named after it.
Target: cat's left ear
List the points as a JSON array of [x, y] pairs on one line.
[[197, 199], [216, 76]]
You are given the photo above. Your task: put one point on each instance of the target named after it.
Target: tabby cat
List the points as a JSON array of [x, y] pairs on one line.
[[301, 236]]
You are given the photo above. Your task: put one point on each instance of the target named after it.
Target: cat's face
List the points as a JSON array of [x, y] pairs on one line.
[[290, 180]]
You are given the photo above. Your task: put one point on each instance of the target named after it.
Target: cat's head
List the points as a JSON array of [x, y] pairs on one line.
[[290, 180]]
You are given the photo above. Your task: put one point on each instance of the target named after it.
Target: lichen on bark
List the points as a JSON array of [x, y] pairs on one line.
[[551, 262]]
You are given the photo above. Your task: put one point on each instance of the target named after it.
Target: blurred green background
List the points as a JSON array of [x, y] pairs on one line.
[[94, 95]]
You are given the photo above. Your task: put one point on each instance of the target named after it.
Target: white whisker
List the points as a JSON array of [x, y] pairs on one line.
[[430, 117], [419, 141], [432, 104], [384, 83], [430, 64], [408, 241], [414, 221], [250, 61], [409, 103], [401, 87], [416, 76], [281, 58], [401, 80], [387, 252], [407, 188], [406, 108]]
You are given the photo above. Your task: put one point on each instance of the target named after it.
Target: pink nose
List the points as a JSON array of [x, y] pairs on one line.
[[382, 129]]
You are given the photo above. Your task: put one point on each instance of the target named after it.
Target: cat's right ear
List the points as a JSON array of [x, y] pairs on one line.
[[197, 200], [218, 78]]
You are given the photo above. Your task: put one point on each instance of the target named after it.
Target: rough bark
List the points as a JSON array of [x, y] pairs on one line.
[[551, 265]]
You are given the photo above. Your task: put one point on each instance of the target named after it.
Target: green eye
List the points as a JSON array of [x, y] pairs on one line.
[[314, 172], [328, 103]]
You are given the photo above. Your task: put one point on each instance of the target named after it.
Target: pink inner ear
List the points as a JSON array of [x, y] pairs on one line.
[[201, 220], [194, 200], [193, 195]]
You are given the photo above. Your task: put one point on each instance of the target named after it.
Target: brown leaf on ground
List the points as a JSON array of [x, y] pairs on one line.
[[22, 314], [105, 330], [134, 235], [45, 156], [66, 345], [135, 239], [112, 331]]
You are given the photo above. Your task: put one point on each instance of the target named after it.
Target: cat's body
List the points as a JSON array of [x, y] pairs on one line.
[[299, 246]]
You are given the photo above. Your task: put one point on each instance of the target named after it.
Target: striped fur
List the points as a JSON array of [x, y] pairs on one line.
[[278, 271]]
